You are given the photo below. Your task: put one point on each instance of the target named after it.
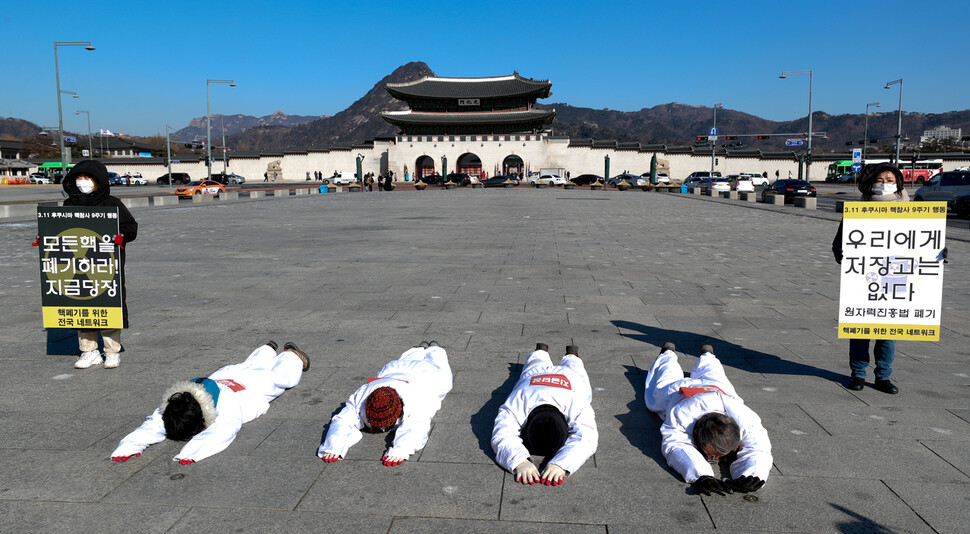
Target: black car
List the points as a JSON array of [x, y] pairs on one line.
[[432, 179], [459, 178], [790, 189], [587, 179], [501, 181], [179, 178]]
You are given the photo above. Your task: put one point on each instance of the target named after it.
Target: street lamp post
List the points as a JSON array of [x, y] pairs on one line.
[[865, 140], [208, 126], [90, 139], [899, 116], [168, 154], [60, 112], [713, 142], [808, 161]]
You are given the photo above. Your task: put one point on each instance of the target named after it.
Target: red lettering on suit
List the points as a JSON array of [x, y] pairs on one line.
[[556, 381]]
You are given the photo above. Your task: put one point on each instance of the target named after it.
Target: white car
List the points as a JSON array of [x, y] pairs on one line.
[[38, 178], [340, 178], [757, 179], [715, 184], [138, 179], [742, 182], [551, 179]]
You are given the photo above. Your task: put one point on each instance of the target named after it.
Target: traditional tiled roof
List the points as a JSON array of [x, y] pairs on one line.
[[405, 118], [497, 86]]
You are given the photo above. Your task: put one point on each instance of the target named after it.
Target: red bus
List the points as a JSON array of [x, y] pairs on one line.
[[924, 169]]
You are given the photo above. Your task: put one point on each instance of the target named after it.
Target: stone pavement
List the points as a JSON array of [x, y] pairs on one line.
[[356, 279]]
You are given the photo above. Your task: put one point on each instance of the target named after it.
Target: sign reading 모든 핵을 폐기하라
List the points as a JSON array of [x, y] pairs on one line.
[[892, 270], [80, 267]]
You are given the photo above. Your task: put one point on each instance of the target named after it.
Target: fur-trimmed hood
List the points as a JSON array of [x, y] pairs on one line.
[[200, 393]]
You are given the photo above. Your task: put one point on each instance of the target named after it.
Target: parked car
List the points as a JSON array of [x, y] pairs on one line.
[[945, 186], [550, 179], [587, 179], [500, 181], [114, 179], [741, 182], [340, 178], [631, 179], [702, 174], [202, 187], [138, 179], [759, 180], [460, 178], [961, 205], [715, 184], [662, 178], [177, 178], [790, 188], [226, 179], [39, 178]]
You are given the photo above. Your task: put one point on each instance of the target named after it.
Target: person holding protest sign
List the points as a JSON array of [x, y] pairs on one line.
[[705, 422], [404, 396], [548, 414], [87, 185], [881, 183], [208, 412]]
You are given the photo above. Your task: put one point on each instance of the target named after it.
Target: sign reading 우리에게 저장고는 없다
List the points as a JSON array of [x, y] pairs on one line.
[[892, 270], [80, 267]]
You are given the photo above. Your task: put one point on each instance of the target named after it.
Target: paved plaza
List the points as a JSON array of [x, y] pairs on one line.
[[355, 279]]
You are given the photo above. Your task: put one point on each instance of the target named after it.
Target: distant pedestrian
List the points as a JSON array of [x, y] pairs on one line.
[[387, 183], [265, 176], [777, 174], [789, 174], [308, 176], [380, 183]]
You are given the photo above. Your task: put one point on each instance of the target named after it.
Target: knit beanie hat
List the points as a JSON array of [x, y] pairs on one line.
[[545, 430], [383, 407]]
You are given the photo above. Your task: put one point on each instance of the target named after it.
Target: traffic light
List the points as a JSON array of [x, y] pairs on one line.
[[702, 138], [764, 137], [730, 137], [848, 143]]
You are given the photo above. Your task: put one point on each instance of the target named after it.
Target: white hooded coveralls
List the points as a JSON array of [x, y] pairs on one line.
[[566, 387], [663, 396], [421, 377], [245, 391]]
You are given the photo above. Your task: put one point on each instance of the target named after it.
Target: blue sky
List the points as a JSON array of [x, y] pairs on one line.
[[314, 58]]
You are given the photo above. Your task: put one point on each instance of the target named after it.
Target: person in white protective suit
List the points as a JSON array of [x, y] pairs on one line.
[[548, 414], [404, 397], [705, 422], [208, 412]]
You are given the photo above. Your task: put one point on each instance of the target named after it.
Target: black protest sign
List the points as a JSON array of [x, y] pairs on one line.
[[80, 267]]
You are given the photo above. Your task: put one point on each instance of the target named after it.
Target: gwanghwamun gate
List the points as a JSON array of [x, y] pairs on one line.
[[482, 125]]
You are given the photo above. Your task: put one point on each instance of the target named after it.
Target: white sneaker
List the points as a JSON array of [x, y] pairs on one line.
[[87, 359], [111, 360]]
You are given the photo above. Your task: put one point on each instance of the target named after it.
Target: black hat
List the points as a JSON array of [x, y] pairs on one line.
[[545, 430], [865, 184]]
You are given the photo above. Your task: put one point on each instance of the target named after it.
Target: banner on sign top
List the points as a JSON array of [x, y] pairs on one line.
[[80, 267], [892, 270]]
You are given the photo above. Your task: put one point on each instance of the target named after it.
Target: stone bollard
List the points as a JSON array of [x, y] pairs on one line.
[[777, 200], [229, 195], [732, 195], [646, 188], [477, 185], [569, 186], [165, 200], [302, 191], [202, 198], [808, 203], [623, 186], [278, 193], [420, 186], [450, 185], [135, 202], [749, 197], [839, 206], [354, 188], [596, 187], [257, 194], [539, 185], [694, 190], [18, 210]]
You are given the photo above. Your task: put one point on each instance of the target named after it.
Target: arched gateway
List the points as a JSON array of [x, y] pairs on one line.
[[513, 165], [470, 164], [424, 166]]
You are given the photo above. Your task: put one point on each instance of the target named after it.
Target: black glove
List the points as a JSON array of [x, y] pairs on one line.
[[707, 484], [746, 484]]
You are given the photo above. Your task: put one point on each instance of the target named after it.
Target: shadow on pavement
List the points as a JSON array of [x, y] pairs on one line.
[[483, 420], [729, 353], [860, 524], [648, 440]]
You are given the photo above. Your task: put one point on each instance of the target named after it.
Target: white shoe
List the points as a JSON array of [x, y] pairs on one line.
[[111, 360], [87, 359]]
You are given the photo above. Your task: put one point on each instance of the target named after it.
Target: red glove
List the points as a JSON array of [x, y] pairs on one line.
[[185, 461], [120, 241], [36, 242], [330, 458], [392, 461], [125, 458]]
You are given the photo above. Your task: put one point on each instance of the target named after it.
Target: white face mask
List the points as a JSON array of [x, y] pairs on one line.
[[883, 189], [85, 185]]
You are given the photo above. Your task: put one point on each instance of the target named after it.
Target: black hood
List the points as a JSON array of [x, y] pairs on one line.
[[96, 170], [865, 184]]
